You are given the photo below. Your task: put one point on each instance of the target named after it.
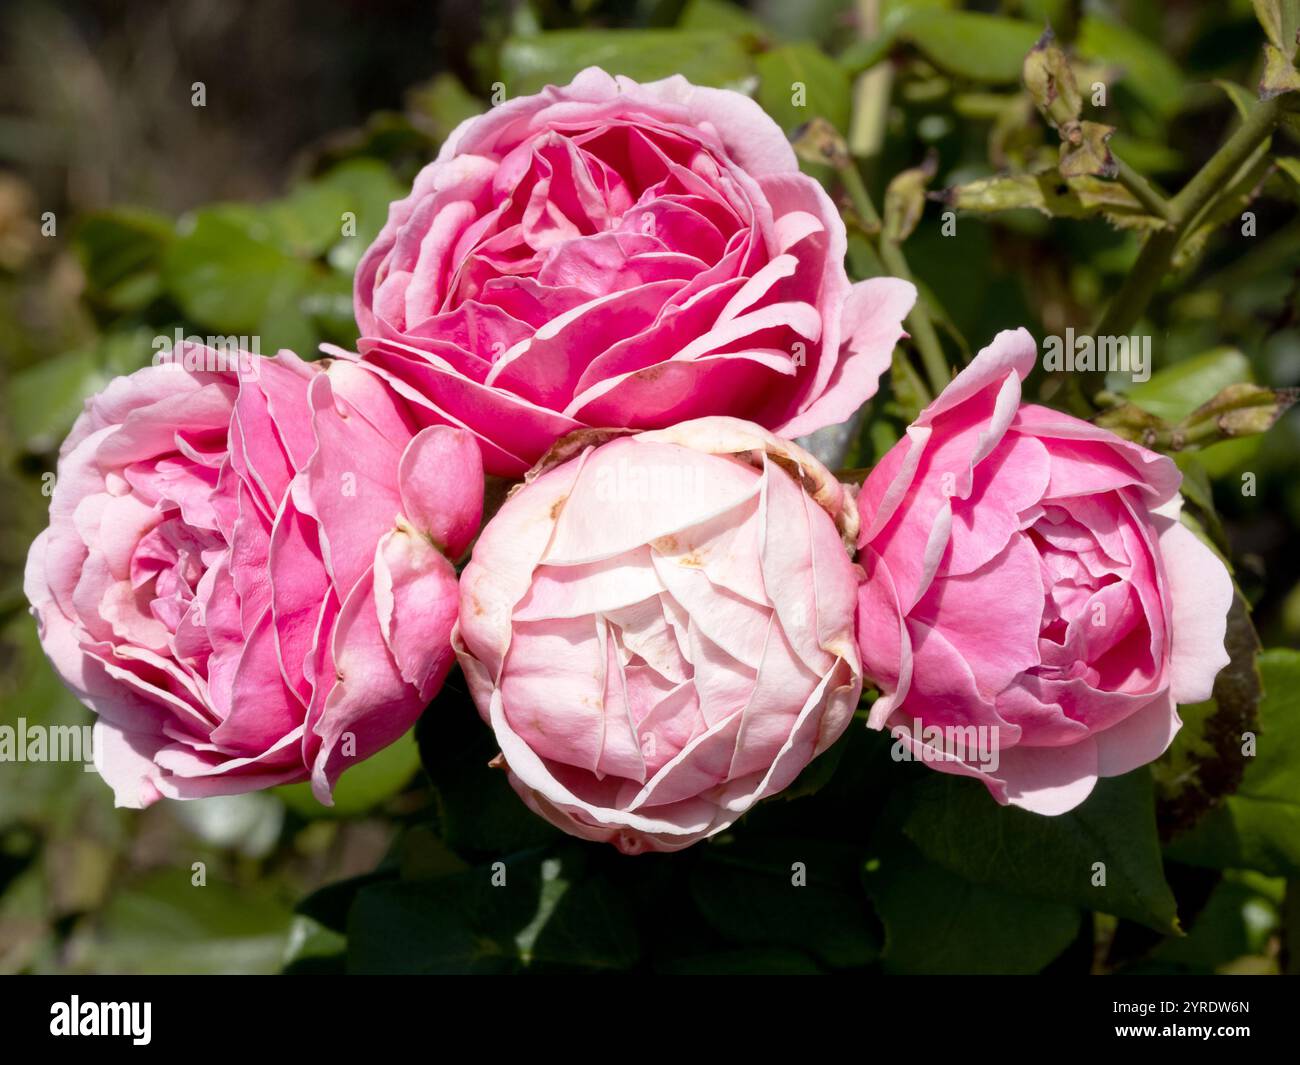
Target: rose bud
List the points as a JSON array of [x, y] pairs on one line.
[[1033, 610], [613, 254], [246, 571], [659, 629]]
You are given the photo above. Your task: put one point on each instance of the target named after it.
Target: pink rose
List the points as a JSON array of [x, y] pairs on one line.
[[1033, 609], [660, 630], [612, 254], [245, 575]]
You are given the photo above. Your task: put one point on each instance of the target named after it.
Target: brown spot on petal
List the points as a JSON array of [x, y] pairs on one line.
[[651, 374], [665, 545], [558, 506]]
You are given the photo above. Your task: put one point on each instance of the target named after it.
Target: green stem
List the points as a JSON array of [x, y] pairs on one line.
[[1214, 176], [1143, 191], [1157, 254], [919, 322], [1176, 439], [1130, 302]]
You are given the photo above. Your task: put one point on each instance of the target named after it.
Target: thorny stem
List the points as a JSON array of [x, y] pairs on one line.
[[1174, 438], [1154, 260], [919, 322]]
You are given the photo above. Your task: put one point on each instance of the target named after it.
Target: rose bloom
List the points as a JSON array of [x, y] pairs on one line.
[[1027, 577], [245, 574], [614, 254], [660, 629]]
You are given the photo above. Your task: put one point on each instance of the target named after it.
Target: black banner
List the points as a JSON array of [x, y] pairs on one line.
[[152, 1014]]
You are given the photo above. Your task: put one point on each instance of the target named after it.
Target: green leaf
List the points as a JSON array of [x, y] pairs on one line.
[[1241, 409], [124, 351], [1176, 391], [798, 82], [881, 436], [46, 397], [747, 889], [861, 56], [1237, 921], [1148, 157], [1280, 75], [314, 949], [936, 922], [1205, 761], [308, 220], [455, 924], [1279, 18], [988, 48], [30, 691], [1050, 80], [25, 933], [165, 925], [905, 200], [581, 923], [817, 773], [1045, 11], [1226, 212], [909, 391], [417, 854], [327, 307], [704, 57], [549, 912], [1148, 73], [721, 15], [1289, 165], [120, 251], [1196, 487], [1258, 827], [1242, 98], [329, 906], [363, 786], [366, 187], [478, 812], [1051, 194], [1085, 151], [442, 103], [286, 324], [957, 824], [1229, 456], [227, 270]]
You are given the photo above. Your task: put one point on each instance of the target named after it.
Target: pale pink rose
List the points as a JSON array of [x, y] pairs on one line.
[[660, 629], [1027, 575], [246, 574], [614, 254]]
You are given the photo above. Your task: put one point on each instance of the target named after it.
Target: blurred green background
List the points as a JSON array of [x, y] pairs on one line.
[[186, 165]]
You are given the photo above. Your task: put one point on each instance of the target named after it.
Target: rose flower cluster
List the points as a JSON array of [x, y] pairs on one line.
[[628, 301]]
